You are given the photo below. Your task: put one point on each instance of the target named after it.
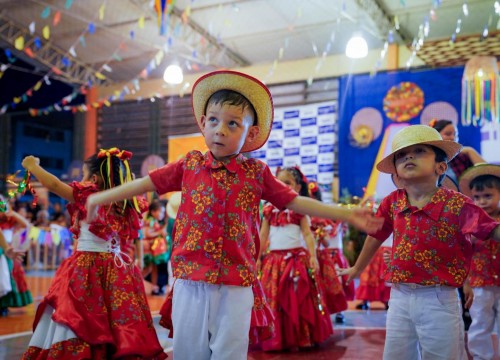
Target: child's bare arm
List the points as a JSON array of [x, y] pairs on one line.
[[51, 182], [370, 247], [122, 192], [305, 228], [361, 218]]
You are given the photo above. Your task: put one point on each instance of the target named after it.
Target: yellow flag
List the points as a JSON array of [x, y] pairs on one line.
[[141, 22], [100, 76], [101, 11], [46, 32], [19, 43]]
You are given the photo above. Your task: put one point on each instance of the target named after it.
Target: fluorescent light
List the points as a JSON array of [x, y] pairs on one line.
[[356, 47], [173, 75]]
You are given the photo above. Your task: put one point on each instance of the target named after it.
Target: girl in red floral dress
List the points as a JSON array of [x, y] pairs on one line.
[[19, 294], [289, 275], [328, 234], [372, 286], [96, 307]]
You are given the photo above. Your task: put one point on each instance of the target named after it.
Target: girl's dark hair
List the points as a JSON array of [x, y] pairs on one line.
[[155, 205], [230, 97], [97, 166], [485, 181], [315, 191], [299, 178], [111, 166], [439, 125]]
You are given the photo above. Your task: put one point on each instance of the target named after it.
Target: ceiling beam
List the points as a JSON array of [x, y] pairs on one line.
[[48, 56], [382, 19]]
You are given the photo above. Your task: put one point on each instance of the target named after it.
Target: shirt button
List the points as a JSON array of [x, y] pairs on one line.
[[495, 276], [494, 257]]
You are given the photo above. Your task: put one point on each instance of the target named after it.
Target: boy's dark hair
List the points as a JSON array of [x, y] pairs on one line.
[[485, 181], [230, 97], [440, 156], [439, 125]]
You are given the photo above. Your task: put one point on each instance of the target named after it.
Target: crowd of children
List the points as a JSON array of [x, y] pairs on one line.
[[272, 277]]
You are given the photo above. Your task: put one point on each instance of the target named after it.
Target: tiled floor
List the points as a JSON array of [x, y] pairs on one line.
[[361, 337]]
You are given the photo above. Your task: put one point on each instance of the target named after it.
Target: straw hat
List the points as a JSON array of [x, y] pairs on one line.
[[475, 171], [413, 135], [173, 204], [256, 92], [447, 182]]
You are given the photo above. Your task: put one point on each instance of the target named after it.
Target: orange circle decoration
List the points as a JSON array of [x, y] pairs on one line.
[[403, 102]]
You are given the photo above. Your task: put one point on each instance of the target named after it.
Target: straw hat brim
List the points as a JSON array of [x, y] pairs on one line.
[[451, 148], [251, 88], [475, 171], [173, 205], [447, 182]]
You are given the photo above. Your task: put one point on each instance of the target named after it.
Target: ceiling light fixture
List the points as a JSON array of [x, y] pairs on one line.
[[356, 47], [173, 75]]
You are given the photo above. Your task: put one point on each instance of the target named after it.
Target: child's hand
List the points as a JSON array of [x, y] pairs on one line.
[[468, 295], [363, 219], [313, 263], [351, 273], [29, 162], [14, 255], [387, 258]]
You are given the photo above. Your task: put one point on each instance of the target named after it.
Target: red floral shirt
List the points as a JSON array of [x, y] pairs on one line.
[[485, 267], [217, 225], [432, 245]]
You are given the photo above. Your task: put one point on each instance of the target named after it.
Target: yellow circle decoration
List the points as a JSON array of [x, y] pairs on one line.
[[403, 102]]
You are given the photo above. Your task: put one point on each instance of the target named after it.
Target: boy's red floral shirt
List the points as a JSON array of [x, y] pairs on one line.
[[432, 245], [485, 267], [217, 227]]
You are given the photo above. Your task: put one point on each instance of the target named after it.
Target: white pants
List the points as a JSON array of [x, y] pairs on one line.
[[424, 322], [484, 311], [211, 321]]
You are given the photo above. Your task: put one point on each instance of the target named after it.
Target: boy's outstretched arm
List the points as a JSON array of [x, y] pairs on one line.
[[370, 247], [361, 218], [122, 192]]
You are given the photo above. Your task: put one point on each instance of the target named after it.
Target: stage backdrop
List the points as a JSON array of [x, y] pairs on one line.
[[304, 135], [428, 93]]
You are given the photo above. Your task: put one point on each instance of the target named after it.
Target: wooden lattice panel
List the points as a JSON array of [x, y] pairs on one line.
[[439, 53]]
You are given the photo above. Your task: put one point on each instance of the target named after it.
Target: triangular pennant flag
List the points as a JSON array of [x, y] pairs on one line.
[[45, 13], [38, 43], [82, 41], [91, 28], [141, 22], [37, 86], [72, 51], [68, 4], [46, 32], [19, 43], [107, 68], [99, 75], [29, 52], [57, 18], [101, 12], [32, 28]]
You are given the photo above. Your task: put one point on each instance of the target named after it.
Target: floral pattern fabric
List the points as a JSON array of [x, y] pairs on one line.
[[216, 235], [101, 300], [485, 267], [432, 245]]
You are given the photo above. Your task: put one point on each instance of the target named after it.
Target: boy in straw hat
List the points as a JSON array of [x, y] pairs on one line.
[[216, 237], [431, 253], [482, 184]]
